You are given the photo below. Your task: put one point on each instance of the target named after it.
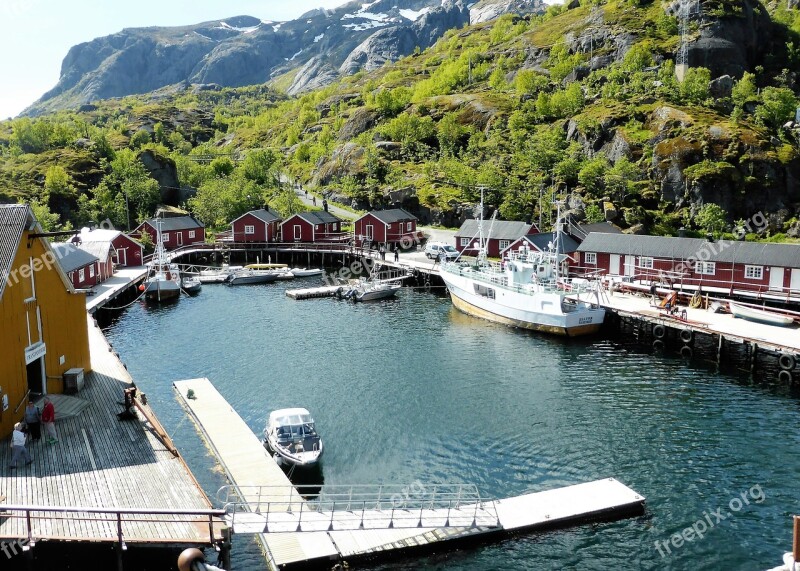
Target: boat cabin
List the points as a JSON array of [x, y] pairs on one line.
[[497, 234], [294, 428]]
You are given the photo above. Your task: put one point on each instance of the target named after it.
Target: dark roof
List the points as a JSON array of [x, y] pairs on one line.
[[500, 229], [566, 245], [392, 215], [262, 214], [580, 231], [13, 220], [318, 217], [730, 251], [176, 223], [72, 258]]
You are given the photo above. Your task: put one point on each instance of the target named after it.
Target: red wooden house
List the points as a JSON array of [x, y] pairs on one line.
[[121, 249], [176, 231], [395, 226], [724, 266], [498, 235], [314, 226], [256, 226], [80, 266]]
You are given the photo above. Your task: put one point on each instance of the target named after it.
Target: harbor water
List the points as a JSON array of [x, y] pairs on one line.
[[411, 391]]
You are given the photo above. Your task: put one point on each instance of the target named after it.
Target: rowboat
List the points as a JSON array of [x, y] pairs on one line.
[[759, 315]]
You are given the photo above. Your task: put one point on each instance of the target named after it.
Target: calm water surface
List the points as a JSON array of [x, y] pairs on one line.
[[411, 389]]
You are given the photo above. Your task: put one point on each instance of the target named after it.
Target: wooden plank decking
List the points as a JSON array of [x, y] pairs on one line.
[[102, 462], [247, 463]]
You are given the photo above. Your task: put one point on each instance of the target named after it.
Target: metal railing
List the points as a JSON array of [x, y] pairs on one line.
[[274, 509], [41, 522]]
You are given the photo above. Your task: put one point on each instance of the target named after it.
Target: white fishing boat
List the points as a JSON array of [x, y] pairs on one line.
[[306, 272], [529, 289], [163, 281], [249, 276], [373, 291], [292, 436], [759, 315]]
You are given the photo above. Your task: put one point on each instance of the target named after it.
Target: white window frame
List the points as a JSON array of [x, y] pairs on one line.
[[409, 226], [81, 275], [164, 237], [503, 244], [646, 262], [248, 229], [191, 233], [464, 242], [590, 258], [754, 272], [705, 268], [91, 271]]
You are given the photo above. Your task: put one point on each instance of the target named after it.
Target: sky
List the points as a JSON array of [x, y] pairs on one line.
[[35, 35]]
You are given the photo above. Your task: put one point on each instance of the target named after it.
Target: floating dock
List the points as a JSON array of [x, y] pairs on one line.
[[314, 292], [351, 530]]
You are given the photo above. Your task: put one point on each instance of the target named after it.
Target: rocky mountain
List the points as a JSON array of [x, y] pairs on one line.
[[313, 50]]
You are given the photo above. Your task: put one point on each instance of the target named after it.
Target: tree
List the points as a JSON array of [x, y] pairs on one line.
[[262, 166], [139, 139], [694, 88], [56, 182], [48, 221], [711, 218], [778, 107], [744, 90]]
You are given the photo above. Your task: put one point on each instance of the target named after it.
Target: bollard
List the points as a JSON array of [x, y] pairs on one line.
[[191, 559], [796, 539]]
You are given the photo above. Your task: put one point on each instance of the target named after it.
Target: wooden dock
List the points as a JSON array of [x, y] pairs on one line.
[[102, 465], [351, 532], [107, 291]]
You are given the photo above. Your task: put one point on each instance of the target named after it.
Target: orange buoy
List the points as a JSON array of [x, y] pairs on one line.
[[141, 287]]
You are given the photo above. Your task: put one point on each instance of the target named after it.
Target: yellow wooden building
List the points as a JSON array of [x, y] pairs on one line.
[[44, 328]]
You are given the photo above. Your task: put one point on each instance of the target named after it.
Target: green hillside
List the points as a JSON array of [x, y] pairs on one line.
[[581, 102]]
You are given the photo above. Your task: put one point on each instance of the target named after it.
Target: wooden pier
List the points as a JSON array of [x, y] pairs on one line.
[[277, 511], [721, 339], [106, 481], [107, 291]]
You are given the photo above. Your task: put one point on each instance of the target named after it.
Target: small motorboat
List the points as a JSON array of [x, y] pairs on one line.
[[369, 290], [291, 435], [284, 274], [306, 272], [217, 275], [191, 284], [247, 276], [759, 315]]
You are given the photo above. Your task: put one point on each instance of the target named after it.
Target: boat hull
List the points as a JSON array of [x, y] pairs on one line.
[[252, 279], [161, 290], [514, 309], [309, 459], [759, 316]]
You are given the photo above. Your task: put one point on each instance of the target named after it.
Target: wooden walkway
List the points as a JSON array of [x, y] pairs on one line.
[[106, 291], [102, 462], [324, 536]]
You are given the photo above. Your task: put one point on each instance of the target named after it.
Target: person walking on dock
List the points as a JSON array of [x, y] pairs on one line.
[[18, 449], [49, 420], [396, 253], [33, 420], [383, 251]]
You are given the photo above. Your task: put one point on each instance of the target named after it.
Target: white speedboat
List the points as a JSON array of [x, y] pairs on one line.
[[163, 281], [759, 315], [191, 284], [248, 276], [526, 290], [306, 272], [291, 435], [217, 275], [373, 291]]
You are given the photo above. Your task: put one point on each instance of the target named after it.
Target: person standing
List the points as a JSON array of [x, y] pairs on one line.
[[18, 449], [33, 419], [396, 253], [49, 420]]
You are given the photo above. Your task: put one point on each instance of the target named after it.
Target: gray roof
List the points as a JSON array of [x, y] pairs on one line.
[[500, 229], [566, 245], [264, 215], [13, 220], [580, 231], [318, 217], [72, 258], [730, 251], [392, 215], [98, 249], [176, 223]]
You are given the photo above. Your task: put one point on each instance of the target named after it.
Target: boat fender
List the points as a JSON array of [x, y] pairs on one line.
[[786, 361], [658, 345], [686, 352], [785, 376], [141, 287], [687, 335], [659, 331]]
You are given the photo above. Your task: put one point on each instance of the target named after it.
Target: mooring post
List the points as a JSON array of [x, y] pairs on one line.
[[719, 351], [753, 351], [225, 548]]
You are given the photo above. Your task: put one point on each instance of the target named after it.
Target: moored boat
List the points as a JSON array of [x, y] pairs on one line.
[[191, 284], [526, 290], [759, 315], [306, 272], [291, 435], [247, 276], [163, 281]]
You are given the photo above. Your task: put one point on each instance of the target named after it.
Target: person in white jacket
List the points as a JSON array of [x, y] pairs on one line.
[[18, 449]]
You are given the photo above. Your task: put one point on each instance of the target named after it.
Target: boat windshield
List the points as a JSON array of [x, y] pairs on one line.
[[296, 425]]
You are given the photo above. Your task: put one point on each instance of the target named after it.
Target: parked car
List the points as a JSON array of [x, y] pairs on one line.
[[440, 250]]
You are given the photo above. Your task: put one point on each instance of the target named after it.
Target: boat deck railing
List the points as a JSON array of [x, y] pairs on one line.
[[346, 507], [565, 286]]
